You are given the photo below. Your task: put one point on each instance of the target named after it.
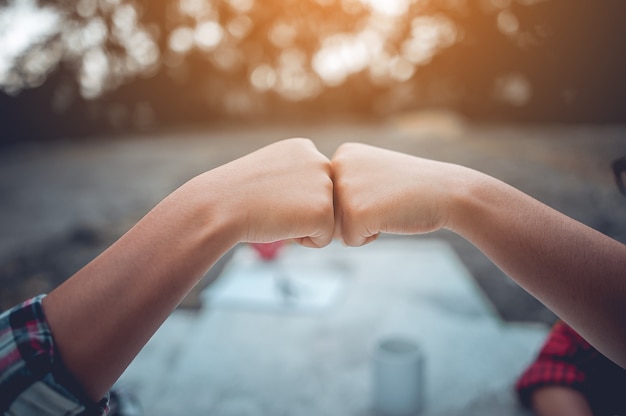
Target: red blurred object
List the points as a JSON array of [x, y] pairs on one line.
[[268, 251]]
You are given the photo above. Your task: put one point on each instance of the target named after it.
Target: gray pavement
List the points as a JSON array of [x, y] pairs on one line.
[[48, 188], [256, 356], [61, 203]]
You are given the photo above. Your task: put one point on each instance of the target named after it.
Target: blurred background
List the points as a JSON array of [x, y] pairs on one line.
[[79, 68], [106, 106]]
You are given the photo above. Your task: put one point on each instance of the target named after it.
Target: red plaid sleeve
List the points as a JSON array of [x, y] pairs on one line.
[[563, 360], [33, 379]]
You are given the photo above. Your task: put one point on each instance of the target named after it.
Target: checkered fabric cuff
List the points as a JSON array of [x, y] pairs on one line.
[[563, 361], [33, 379]]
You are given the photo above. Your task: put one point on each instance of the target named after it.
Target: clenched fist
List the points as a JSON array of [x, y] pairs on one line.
[[378, 190], [281, 191]]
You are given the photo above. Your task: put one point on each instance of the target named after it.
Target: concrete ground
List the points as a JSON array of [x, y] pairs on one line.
[[251, 351], [62, 203]]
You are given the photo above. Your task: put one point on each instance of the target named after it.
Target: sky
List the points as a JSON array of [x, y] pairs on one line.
[[23, 23]]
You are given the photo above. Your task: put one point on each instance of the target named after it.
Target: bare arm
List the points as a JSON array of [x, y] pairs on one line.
[[560, 401], [105, 313], [576, 271]]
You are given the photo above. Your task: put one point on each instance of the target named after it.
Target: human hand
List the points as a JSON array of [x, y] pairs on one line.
[[378, 190], [281, 191]]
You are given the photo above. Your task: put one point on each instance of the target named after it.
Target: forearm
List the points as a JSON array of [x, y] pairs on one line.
[[560, 401], [576, 271], [102, 316], [105, 313]]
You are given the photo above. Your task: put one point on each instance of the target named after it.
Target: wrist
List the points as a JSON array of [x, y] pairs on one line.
[[211, 211], [469, 195]]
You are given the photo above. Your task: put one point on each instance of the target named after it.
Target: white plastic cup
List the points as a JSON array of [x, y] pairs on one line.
[[398, 382]]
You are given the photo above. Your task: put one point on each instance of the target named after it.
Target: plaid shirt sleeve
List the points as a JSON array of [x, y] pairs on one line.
[[564, 360], [33, 380]]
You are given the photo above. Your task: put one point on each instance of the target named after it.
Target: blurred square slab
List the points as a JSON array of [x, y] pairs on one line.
[[252, 283]]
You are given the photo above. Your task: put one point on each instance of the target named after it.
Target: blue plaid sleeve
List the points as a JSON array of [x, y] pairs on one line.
[[33, 379]]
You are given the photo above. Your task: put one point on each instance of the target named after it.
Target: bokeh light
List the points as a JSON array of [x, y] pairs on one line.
[[359, 55]]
